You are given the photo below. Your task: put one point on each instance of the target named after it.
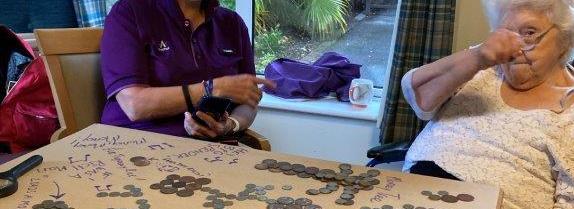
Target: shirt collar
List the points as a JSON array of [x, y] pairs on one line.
[[176, 14]]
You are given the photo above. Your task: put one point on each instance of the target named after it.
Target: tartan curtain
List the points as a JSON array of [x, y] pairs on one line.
[[92, 13], [425, 34]]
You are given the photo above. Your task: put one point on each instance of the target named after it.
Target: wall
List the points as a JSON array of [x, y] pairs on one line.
[[318, 136], [471, 26]]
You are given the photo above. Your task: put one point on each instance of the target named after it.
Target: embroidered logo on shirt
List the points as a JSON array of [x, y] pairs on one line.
[[228, 51], [162, 46]]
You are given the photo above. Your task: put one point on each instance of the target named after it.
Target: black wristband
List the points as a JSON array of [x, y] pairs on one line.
[[187, 96]]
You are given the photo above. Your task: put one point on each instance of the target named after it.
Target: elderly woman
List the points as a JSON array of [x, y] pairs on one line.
[[501, 113]]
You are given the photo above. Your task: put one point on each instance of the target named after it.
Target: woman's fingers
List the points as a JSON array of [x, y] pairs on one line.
[[211, 123], [195, 129]]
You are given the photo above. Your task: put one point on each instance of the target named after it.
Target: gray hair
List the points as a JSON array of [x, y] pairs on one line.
[[560, 12]]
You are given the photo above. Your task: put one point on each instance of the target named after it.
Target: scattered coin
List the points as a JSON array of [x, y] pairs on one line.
[[184, 193], [287, 187], [449, 198], [408, 206], [303, 202], [269, 187], [261, 167], [102, 194], [434, 197], [442, 193], [137, 158], [465, 197], [141, 163]]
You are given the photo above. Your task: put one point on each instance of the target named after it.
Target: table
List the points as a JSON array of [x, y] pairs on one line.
[[84, 169]]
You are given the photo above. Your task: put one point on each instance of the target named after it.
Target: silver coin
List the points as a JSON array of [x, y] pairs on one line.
[[262, 198], [347, 196], [271, 201], [408, 206], [285, 200], [442, 193], [312, 192], [102, 194], [261, 167], [303, 201], [345, 166]]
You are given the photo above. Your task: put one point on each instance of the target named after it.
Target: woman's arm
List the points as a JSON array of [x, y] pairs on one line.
[[245, 115], [434, 83], [144, 103]]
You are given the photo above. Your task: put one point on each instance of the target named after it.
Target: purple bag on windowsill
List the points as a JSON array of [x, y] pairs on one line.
[[296, 80]]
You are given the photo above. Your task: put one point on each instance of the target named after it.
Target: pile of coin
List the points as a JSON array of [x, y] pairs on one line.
[[288, 203], [446, 197], [49, 204], [182, 186], [386, 207], [140, 161], [217, 199], [143, 204], [352, 184], [132, 191]]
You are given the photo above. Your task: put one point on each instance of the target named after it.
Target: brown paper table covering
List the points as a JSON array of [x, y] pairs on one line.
[[97, 159]]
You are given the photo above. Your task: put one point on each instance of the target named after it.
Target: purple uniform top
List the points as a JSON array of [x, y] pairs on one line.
[[149, 42]]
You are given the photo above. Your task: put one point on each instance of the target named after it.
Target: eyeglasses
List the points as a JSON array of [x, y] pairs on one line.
[[531, 41]]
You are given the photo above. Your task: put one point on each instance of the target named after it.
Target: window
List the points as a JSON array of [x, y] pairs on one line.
[[304, 29]]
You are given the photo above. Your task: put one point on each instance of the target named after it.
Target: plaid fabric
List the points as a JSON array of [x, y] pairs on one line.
[[425, 34], [90, 13]]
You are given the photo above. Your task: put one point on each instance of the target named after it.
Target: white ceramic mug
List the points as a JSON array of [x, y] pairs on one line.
[[361, 92]]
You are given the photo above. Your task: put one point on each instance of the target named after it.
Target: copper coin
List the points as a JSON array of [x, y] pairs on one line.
[[184, 193], [173, 177], [193, 186], [269, 161], [203, 181], [345, 166], [275, 170], [434, 197], [261, 167], [373, 173], [179, 184], [187, 179], [304, 175], [449, 198], [141, 163], [426, 193], [290, 173], [168, 190], [311, 170], [465, 197], [137, 158], [298, 168]]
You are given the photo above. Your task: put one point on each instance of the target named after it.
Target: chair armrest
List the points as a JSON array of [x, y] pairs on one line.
[[255, 140], [389, 152]]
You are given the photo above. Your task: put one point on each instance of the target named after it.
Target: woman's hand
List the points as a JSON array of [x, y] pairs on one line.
[[502, 46], [213, 129], [242, 89]]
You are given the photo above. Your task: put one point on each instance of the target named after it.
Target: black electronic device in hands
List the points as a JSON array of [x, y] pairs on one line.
[[213, 106]]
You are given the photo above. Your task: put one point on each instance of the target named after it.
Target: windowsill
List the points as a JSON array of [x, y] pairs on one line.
[[328, 106]]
